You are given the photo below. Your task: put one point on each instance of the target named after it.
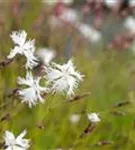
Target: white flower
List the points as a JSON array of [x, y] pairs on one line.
[[63, 78], [23, 47], [53, 2], [93, 117], [130, 24], [46, 55], [132, 3], [32, 93], [74, 118], [69, 15], [110, 3], [68, 2], [89, 32], [18, 143]]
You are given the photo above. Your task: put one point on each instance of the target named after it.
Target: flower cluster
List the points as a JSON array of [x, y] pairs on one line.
[[56, 78], [59, 78]]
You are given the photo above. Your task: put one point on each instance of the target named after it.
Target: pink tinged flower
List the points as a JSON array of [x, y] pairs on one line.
[[32, 93], [23, 47], [93, 117], [16, 143], [63, 78]]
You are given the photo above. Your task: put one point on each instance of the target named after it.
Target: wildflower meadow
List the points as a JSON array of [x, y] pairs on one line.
[[67, 75]]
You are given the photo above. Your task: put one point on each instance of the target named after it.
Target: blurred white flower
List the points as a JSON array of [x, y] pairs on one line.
[[54, 22], [50, 2], [68, 2], [63, 78], [18, 143], [46, 55], [69, 15], [110, 3], [32, 93], [53, 2], [93, 117], [89, 32], [130, 24], [74, 118], [132, 3], [23, 47]]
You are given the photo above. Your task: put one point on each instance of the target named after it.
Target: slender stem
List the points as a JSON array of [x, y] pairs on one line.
[[5, 63]]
